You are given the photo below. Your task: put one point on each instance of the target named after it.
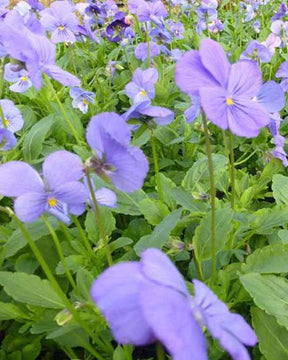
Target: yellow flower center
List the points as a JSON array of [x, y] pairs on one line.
[[143, 92], [61, 27], [24, 78], [229, 101], [85, 101], [52, 202], [7, 122]]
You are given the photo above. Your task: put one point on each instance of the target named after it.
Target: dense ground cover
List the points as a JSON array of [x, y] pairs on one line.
[[143, 181]]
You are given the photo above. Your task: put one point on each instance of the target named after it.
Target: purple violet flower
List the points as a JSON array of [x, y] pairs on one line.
[[7, 139], [226, 91], [256, 26], [36, 51], [61, 21], [125, 165], [280, 29], [144, 110], [283, 10], [115, 30], [279, 140], [193, 111], [152, 11], [104, 196], [256, 50], [177, 29], [141, 51], [141, 87], [20, 78], [81, 99], [283, 73], [59, 193], [148, 300], [12, 116], [36, 5]]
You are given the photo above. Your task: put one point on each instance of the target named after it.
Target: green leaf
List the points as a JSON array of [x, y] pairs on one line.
[[280, 189], [202, 239], [30, 289], [119, 243], [92, 227], [270, 293], [36, 230], [128, 203], [10, 311], [119, 353], [167, 186], [74, 263], [271, 336], [266, 219], [160, 234], [197, 177], [70, 335], [154, 211], [33, 142], [184, 199], [269, 259]]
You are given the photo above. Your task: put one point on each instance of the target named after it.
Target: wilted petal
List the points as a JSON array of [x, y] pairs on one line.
[[17, 178], [116, 293], [61, 167], [28, 207], [215, 61]]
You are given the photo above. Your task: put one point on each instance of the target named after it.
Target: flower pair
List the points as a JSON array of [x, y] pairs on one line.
[[148, 300], [58, 192]]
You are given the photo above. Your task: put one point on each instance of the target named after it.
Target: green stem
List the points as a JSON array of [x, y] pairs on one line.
[[71, 54], [73, 130], [79, 61], [247, 158], [213, 197], [148, 46], [83, 236], [99, 220], [198, 267], [60, 253], [2, 67], [160, 351], [156, 166], [232, 171], [57, 288], [66, 232], [225, 144]]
